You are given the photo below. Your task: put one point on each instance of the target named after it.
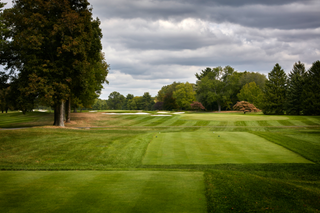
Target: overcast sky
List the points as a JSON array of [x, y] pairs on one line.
[[151, 43]]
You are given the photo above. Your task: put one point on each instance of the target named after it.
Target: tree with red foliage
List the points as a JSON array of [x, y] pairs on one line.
[[197, 106], [245, 107]]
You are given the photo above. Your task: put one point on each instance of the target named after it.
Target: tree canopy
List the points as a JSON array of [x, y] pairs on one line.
[[115, 100], [274, 100], [215, 86], [245, 106], [311, 91], [252, 93], [295, 88], [55, 48], [184, 95]]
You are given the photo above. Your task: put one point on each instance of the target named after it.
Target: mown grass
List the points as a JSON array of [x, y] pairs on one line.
[[72, 149], [167, 172], [215, 148], [17, 119], [100, 191], [259, 191]]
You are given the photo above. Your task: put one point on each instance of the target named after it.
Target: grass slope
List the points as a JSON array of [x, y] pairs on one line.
[[278, 190], [71, 149]]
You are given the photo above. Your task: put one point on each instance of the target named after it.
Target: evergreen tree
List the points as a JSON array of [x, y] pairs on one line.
[[275, 92], [311, 91], [295, 88], [147, 101]]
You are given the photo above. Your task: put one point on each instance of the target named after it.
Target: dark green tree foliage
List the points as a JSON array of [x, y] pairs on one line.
[[166, 90], [54, 45], [203, 73], [311, 91], [295, 89], [4, 92], [100, 105], [216, 86], [18, 97], [158, 105], [275, 92], [147, 101], [248, 77], [251, 93], [115, 100], [3, 29], [169, 102], [126, 104]]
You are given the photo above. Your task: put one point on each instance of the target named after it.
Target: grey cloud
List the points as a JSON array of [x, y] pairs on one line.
[[288, 14]]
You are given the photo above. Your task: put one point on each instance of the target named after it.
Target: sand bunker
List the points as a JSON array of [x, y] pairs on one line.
[[162, 112], [178, 113], [138, 113]]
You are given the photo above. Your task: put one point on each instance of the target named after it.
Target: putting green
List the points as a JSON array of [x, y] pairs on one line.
[[101, 191], [209, 148], [231, 117]]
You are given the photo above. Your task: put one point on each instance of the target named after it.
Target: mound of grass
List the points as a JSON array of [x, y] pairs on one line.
[[17, 119], [288, 190], [72, 149], [306, 144], [93, 191], [215, 148]]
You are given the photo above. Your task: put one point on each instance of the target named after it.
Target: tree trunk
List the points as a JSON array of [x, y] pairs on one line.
[[68, 110], [219, 106], [75, 110], [59, 114]]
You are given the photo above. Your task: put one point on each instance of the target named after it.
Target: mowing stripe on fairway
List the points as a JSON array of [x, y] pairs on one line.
[[216, 148], [93, 191]]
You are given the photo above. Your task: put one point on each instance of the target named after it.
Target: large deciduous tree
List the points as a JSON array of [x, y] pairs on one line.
[[311, 91], [166, 90], [295, 89], [252, 93], [215, 86], [248, 77], [55, 48], [184, 95], [115, 100], [275, 92], [169, 102]]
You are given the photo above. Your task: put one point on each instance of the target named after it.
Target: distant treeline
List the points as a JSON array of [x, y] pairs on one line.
[[220, 88]]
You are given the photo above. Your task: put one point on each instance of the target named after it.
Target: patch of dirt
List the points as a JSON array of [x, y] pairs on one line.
[[87, 119]]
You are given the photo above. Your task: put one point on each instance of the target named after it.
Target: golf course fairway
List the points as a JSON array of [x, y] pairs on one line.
[[216, 148]]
